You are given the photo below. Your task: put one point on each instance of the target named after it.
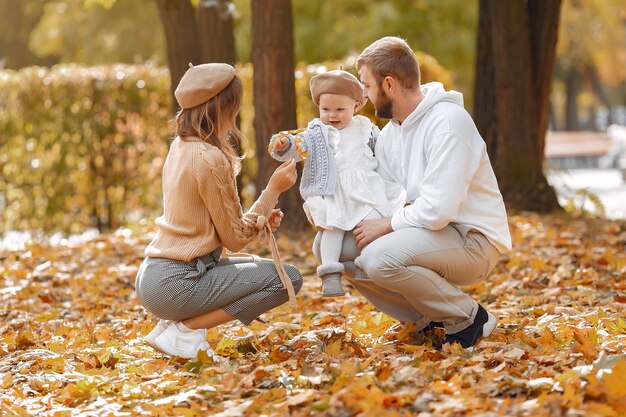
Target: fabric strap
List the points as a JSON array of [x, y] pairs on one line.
[[265, 231], [264, 228]]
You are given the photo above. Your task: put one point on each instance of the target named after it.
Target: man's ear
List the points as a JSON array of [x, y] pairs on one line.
[[389, 83]]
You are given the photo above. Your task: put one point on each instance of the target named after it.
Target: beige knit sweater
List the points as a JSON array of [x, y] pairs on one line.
[[201, 208]]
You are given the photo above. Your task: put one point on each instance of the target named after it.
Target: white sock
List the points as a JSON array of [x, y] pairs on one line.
[[183, 328]]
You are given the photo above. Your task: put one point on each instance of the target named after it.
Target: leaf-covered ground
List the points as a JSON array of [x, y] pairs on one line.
[[71, 339]]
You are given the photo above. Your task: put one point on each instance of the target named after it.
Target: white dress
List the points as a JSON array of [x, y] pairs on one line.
[[359, 188]]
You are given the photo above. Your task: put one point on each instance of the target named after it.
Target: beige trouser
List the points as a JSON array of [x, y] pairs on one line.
[[413, 274]]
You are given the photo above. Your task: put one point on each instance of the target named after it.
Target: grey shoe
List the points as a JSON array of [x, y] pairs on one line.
[[330, 274], [331, 286]]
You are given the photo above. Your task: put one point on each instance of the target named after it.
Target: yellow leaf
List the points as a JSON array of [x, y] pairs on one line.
[[416, 349], [616, 326], [301, 397], [227, 347], [383, 371], [615, 385], [514, 261], [538, 264], [570, 394], [334, 347], [586, 342], [6, 381]]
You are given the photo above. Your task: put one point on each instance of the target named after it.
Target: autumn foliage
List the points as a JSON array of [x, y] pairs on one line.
[[71, 329], [83, 147]]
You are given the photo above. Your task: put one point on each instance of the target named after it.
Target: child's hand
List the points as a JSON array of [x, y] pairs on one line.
[[281, 144], [275, 218]]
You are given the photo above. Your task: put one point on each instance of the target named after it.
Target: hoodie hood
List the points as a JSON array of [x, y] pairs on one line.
[[433, 93]]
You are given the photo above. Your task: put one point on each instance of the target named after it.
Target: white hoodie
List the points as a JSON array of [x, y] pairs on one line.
[[441, 161]]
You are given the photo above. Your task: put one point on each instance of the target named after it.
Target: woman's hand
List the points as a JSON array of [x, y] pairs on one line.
[[283, 178], [276, 216]]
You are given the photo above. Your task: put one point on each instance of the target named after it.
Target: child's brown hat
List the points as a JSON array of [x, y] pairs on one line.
[[337, 82], [203, 82]]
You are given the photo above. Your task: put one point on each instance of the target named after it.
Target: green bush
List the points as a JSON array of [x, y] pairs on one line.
[[83, 146]]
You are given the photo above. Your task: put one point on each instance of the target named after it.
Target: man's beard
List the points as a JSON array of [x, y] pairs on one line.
[[384, 107]]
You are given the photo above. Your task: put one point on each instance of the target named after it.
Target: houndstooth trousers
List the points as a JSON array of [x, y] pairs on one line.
[[241, 286]]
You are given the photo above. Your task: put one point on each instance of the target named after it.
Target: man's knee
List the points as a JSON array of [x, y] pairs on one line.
[[377, 263]]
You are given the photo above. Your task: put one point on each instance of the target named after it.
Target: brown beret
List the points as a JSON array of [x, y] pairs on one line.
[[202, 82], [336, 82]]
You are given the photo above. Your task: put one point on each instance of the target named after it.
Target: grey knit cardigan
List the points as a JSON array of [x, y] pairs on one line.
[[319, 174]]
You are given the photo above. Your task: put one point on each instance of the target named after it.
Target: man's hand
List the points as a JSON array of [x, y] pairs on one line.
[[276, 216], [369, 230]]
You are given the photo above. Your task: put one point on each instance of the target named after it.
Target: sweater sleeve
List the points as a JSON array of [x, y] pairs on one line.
[[451, 166], [297, 148], [218, 190]]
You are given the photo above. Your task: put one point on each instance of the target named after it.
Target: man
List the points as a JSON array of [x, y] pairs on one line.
[[455, 226]]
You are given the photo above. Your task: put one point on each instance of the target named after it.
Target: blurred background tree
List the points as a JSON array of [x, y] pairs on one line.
[[591, 64], [196, 32], [590, 71], [98, 32], [17, 22], [326, 31], [515, 58], [274, 92]]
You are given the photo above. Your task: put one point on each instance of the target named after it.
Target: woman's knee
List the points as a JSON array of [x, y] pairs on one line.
[[294, 275]]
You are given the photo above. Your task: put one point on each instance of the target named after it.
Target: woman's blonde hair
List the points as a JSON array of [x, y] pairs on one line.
[[214, 122], [391, 56]]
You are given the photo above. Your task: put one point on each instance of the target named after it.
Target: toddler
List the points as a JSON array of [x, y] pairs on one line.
[[339, 182]]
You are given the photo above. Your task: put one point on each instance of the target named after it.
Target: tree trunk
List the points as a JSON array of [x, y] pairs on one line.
[[515, 58], [217, 42], [20, 19], [485, 111], [571, 107], [215, 26], [181, 36], [274, 93]]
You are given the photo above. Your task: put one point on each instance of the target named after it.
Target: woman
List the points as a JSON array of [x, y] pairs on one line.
[[183, 280]]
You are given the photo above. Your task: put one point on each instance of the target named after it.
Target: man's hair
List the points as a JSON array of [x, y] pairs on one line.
[[214, 121], [391, 56]]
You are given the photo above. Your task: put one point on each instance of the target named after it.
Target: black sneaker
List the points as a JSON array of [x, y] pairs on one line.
[[408, 333], [483, 326], [431, 326]]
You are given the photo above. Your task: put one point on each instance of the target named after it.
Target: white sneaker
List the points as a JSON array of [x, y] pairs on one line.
[[160, 328], [179, 340]]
